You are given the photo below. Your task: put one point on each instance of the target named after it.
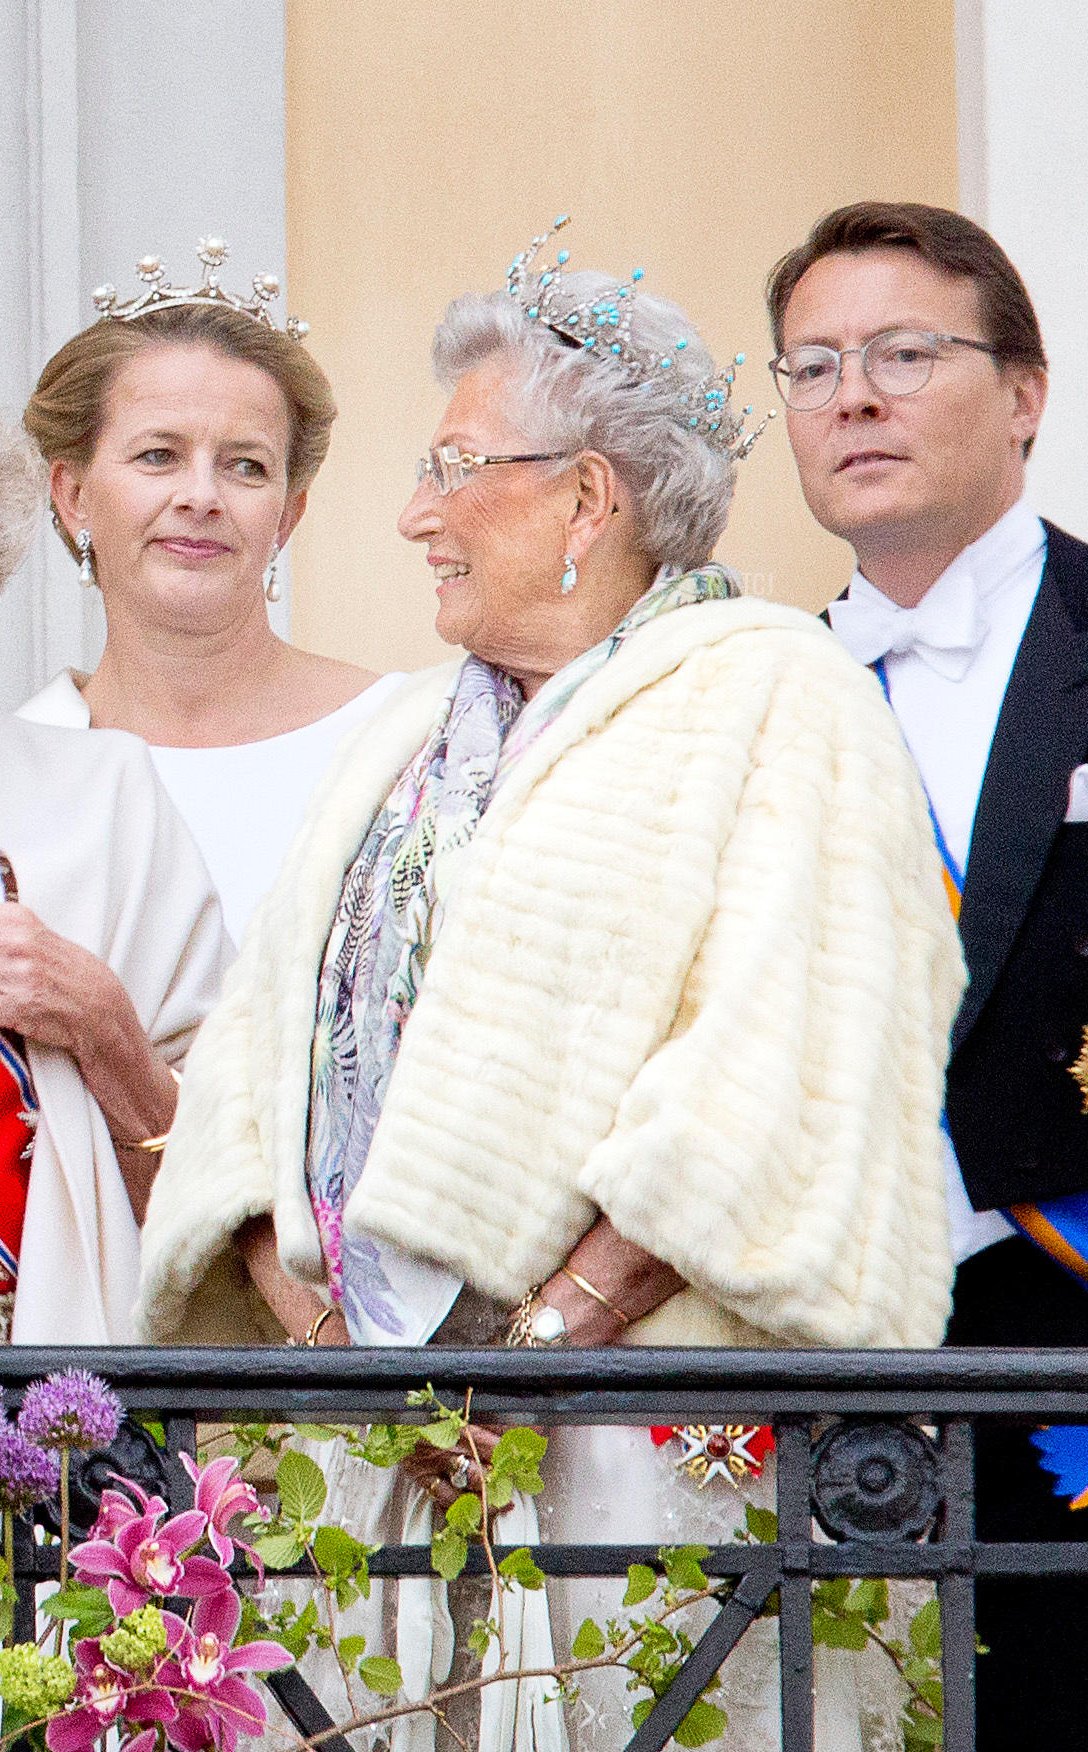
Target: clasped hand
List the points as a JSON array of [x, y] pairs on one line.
[[49, 987]]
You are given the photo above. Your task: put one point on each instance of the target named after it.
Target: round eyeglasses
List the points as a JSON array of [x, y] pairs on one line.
[[898, 362], [450, 467]]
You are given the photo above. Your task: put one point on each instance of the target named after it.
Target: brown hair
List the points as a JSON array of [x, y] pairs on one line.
[[66, 411], [945, 240]]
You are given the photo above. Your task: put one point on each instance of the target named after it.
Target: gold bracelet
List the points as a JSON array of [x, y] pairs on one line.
[[519, 1331], [310, 1340], [154, 1146], [584, 1284]]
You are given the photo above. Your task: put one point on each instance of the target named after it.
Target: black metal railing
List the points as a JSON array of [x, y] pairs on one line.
[[876, 1448]]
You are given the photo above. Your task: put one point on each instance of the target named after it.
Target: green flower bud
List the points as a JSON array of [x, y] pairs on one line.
[[138, 1640], [33, 1683]]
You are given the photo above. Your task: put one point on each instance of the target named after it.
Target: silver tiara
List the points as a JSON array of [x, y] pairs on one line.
[[159, 294], [602, 326]]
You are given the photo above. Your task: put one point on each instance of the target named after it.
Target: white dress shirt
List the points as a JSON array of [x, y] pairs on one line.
[[948, 703]]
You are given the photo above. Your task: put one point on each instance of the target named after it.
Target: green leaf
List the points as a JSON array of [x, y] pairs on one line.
[[301, 1484], [762, 1524], [155, 1429], [464, 1514], [279, 1551], [89, 1607], [641, 1582], [519, 1567], [589, 1643], [683, 1567], [322, 1432], [351, 1649], [642, 1710], [337, 1553], [704, 1722], [833, 1595], [379, 1673], [480, 1636], [500, 1489], [445, 1432], [921, 1731], [838, 1633], [869, 1599], [518, 1453], [388, 1444], [925, 1630], [294, 1632], [449, 1552]]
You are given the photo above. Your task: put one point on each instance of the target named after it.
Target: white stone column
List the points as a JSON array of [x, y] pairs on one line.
[[124, 130], [1023, 74]]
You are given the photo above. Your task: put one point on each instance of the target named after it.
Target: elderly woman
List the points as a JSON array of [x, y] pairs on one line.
[[111, 954], [605, 997], [183, 431]]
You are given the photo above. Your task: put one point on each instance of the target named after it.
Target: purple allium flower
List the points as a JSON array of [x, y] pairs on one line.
[[28, 1474], [72, 1409]]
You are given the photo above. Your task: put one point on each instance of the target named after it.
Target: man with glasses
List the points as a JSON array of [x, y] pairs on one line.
[[912, 367]]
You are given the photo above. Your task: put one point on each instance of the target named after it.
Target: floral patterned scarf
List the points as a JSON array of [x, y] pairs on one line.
[[386, 922]]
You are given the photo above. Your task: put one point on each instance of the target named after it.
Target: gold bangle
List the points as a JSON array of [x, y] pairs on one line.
[[584, 1284], [153, 1146], [310, 1341]]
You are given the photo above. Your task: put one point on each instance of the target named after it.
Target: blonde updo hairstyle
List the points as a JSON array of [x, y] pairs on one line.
[[67, 410], [22, 496]]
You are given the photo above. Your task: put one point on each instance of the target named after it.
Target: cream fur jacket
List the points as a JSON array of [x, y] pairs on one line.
[[103, 858], [697, 971]]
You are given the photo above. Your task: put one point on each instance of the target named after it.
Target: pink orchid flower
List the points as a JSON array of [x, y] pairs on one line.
[[116, 1509], [223, 1496], [106, 1696], [144, 1561], [201, 1670]]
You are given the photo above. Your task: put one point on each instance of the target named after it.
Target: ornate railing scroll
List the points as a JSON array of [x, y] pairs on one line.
[[875, 1449]]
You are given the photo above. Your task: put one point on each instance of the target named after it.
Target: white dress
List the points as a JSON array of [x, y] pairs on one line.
[[242, 804]]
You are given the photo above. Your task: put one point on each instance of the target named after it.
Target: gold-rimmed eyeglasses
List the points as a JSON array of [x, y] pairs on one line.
[[897, 362], [450, 467]]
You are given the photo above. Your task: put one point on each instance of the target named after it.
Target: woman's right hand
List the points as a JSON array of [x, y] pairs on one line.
[[296, 1307]]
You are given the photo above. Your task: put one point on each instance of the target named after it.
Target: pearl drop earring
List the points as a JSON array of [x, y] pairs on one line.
[[570, 574], [86, 564], [272, 584]]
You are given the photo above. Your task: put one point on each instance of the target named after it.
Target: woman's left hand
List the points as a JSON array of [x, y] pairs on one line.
[[447, 1473]]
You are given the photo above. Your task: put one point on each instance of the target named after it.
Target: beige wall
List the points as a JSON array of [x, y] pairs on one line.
[[699, 139]]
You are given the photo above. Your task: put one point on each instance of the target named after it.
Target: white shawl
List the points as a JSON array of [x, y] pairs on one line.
[[102, 858], [697, 971]]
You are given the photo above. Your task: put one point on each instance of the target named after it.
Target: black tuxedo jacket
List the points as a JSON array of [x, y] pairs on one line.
[[1017, 1117], [1016, 1114]]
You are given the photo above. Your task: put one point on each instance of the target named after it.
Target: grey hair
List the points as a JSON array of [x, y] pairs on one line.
[[22, 496], [565, 398]]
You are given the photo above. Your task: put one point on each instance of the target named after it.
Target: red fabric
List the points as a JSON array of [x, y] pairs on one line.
[[18, 1109]]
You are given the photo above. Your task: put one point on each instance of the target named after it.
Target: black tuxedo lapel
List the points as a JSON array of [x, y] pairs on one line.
[[1041, 735]]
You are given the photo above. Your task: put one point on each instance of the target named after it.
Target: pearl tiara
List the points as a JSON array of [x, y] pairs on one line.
[[159, 294], [602, 327]]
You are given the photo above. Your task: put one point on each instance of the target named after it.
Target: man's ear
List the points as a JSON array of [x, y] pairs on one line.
[[1030, 385]]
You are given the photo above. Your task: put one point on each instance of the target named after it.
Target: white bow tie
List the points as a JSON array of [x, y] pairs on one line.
[[945, 629]]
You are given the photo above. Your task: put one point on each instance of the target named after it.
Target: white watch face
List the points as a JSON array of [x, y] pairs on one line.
[[547, 1325]]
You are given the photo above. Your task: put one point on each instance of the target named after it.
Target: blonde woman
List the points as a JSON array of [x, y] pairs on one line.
[[182, 438]]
